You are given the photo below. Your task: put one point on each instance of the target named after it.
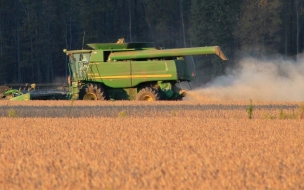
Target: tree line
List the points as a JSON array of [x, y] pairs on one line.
[[33, 33]]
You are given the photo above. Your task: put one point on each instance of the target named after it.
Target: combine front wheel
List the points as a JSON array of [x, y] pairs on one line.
[[91, 92], [148, 94]]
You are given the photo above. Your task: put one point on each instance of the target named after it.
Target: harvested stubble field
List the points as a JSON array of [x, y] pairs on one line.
[[144, 145]]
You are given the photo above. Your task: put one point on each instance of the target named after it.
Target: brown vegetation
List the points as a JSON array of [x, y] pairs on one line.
[[160, 149]]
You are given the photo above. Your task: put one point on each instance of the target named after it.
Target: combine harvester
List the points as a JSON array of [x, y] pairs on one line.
[[130, 71]]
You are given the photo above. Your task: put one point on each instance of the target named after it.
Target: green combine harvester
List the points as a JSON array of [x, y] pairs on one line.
[[131, 71]]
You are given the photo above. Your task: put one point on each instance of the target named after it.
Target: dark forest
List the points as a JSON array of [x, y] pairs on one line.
[[33, 33]]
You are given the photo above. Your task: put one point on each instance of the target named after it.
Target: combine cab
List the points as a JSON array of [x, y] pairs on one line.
[[132, 71]]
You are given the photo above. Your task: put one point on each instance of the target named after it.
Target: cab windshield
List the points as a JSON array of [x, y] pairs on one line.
[[79, 63]]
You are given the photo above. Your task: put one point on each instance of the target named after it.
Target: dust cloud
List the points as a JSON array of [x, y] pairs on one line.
[[265, 80]]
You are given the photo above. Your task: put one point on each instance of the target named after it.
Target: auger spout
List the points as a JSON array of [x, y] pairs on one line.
[[161, 53]]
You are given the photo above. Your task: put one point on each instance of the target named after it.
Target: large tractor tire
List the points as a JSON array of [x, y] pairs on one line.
[[92, 92], [148, 94]]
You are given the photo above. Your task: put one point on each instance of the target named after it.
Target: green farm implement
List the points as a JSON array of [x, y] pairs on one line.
[[122, 71], [132, 71]]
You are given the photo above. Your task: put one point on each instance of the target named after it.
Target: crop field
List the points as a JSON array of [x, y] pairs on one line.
[[151, 145]]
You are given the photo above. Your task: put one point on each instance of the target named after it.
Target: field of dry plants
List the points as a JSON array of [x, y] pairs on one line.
[[151, 145]]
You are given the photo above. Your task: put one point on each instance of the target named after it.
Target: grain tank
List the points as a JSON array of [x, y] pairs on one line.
[[132, 71]]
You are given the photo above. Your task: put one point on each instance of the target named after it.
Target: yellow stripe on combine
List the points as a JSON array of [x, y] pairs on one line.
[[135, 76]]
